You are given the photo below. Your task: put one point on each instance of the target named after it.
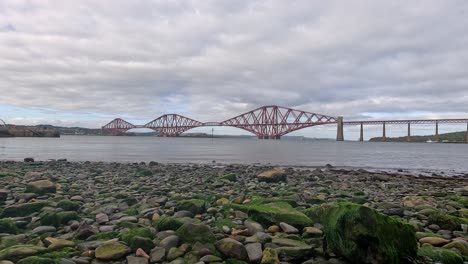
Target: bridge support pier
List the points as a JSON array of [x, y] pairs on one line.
[[384, 136], [361, 137], [339, 129], [436, 138], [408, 138], [466, 134]]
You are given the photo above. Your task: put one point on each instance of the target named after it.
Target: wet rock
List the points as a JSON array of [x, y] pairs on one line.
[[288, 229], [275, 213], [112, 251], [270, 256], [440, 255], [24, 209], [232, 248], [274, 175], [157, 254], [136, 260], [169, 242], [41, 187], [191, 233], [102, 218], [435, 241], [44, 229], [254, 251], [56, 243], [20, 251]]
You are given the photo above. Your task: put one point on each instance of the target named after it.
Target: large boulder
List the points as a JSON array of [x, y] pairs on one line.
[[274, 175], [41, 187], [274, 213], [362, 235]]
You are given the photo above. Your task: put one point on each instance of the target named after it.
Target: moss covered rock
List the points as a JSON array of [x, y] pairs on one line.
[[274, 175], [191, 233], [447, 222], [68, 205], [8, 226], [362, 235], [274, 213], [36, 260], [442, 255], [230, 177], [195, 206], [17, 252], [112, 251], [128, 235], [167, 223], [55, 219], [25, 209]]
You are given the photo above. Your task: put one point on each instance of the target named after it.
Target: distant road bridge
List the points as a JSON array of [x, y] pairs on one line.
[[266, 122]]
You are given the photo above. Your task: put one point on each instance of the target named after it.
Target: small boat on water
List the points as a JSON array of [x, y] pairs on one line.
[[430, 141]]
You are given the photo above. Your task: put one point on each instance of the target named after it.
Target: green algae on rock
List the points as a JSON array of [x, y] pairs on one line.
[[41, 187], [445, 256], [274, 213], [167, 223], [112, 251], [17, 252], [191, 233], [362, 235], [36, 260], [195, 206], [24, 209], [128, 235], [8, 226], [448, 222]]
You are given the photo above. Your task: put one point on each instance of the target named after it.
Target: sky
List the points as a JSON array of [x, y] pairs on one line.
[[83, 63]]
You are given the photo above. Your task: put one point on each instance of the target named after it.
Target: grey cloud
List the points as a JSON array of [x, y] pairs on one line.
[[211, 60]]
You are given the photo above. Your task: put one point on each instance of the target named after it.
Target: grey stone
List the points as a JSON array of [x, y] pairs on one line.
[[254, 251], [288, 229], [43, 229], [253, 227], [136, 260], [157, 254], [232, 248], [169, 242]]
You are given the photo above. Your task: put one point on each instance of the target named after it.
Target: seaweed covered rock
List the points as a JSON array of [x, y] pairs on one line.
[[195, 206], [167, 223], [362, 235], [112, 251], [41, 187], [191, 233], [36, 260], [274, 175], [17, 252], [442, 255], [8, 226], [25, 209], [274, 213], [447, 222]]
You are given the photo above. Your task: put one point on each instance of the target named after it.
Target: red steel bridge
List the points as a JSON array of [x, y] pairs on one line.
[[266, 122]]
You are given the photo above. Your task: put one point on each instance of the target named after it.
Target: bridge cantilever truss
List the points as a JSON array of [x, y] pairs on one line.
[[275, 121], [266, 122]]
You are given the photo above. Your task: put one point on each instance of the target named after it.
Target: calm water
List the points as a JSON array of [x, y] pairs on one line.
[[439, 157]]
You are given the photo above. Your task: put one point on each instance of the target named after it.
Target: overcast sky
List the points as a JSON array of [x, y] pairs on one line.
[[86, 62]]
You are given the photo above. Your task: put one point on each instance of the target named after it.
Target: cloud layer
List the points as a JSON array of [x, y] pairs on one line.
[[211, 60]]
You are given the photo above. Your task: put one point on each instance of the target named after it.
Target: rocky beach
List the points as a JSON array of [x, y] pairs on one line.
[[94, 212]]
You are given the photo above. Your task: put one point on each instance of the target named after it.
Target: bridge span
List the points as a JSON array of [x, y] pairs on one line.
[[268, 122]]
